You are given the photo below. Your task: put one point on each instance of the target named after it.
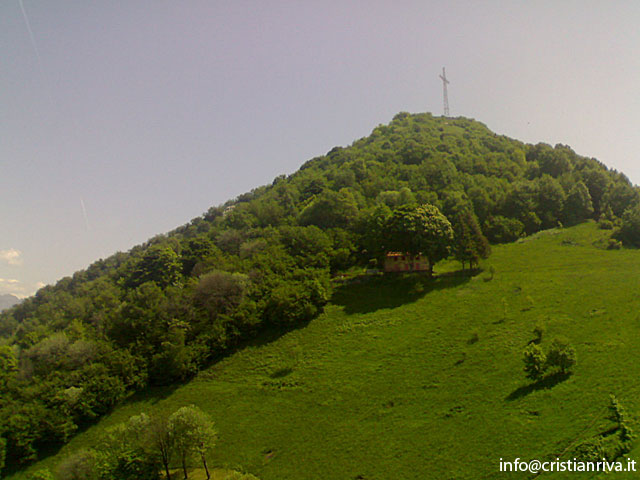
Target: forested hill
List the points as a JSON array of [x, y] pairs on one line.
[[158, 313]]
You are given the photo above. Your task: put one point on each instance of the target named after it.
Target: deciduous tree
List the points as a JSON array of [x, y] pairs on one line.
[[193, 433], [470, 245], [419, 230]]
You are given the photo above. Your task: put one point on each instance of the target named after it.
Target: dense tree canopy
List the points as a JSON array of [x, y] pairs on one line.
[[417, 230], [159, 312]]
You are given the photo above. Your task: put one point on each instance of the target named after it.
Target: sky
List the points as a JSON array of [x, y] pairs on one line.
[[120, 120]]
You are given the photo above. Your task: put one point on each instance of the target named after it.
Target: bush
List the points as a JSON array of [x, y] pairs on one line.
[[502, 229], [43, 474], [562, 355], [614, 244], [294, 302], [535, 362], [605, 224]]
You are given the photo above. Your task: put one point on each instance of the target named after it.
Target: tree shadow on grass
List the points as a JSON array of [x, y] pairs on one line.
[[368, 294], [545, 383]]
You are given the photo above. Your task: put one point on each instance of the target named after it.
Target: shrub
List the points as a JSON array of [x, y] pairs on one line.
[[502, 229], [295, 302], [562, 355], [605, 224], [535, 361], [614, 244], [43, 474]]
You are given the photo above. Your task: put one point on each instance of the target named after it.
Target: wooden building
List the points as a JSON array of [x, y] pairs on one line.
[[403, 262]]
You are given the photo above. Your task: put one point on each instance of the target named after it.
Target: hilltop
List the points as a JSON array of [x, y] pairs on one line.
[[263, 263]]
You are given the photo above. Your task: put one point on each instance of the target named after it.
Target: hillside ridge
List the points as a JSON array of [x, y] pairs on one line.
[[159, 313]]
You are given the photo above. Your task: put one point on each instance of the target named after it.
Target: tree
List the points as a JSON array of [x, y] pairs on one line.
[[219, 292], [561, 354], [193, 432], [22, 425], [578, 206], [160, 441], [371, 231], [330, 209], [174, 360], [535, 361], [597, 181], [521, 203], [503, 230], [8, 365], [122, 453], [159, 264], [298, 298], [470, 244], [419, 230], [310, 246], [620, 196], [551, 198], [553, 161], [196, 250], [482, 203], [629, 230]]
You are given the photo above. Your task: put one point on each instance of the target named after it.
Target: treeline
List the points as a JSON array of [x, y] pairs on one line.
[[158, 313]]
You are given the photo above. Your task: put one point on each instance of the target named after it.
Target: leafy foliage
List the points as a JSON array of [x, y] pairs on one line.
[[161, 311], [470, 244], [629, 230], [384, 332], [193, 434], [561, 354], [419, 230], [535, 361]]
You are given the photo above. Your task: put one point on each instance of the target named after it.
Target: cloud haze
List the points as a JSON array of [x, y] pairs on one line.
[[18, 288], [11, 257]]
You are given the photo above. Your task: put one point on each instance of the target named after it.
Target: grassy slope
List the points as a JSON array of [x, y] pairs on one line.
[[387, 384]]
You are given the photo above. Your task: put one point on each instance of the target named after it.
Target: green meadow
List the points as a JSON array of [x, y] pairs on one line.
[[406, 377]]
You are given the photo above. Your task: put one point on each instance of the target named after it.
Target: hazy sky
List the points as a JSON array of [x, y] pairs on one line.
[[123, 119]]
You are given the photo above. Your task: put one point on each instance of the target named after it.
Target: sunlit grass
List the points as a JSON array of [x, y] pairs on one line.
[[410, 378]]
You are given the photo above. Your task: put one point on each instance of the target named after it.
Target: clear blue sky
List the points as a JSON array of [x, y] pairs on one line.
[[146, 113]]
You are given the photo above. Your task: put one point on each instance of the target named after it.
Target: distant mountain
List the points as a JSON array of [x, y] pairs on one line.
[[8, 301]]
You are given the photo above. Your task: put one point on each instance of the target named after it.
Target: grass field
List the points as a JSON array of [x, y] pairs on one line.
[[404, 377]]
